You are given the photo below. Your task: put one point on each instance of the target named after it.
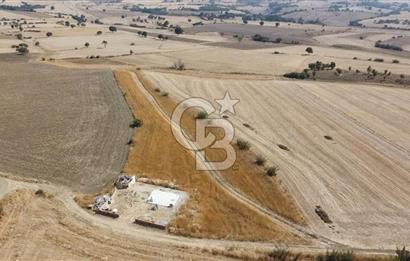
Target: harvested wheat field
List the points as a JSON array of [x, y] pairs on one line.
[[359, 174], [63, 125], [210, 211]]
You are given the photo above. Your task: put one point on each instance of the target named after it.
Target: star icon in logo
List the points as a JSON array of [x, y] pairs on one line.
[[227, 104]]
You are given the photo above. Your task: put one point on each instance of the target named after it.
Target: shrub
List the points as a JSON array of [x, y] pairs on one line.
[[379, 60], [136, 123], [354, 58], [260, 160], [402, 254], [279, 254], [243, 145], [112, 29], [283, 147], [48, 34], [309, 50], [396, 61], [164, 94], [260, 38], [339, 71], [178, 30], [336, 255], [388, 46], [272, 171], [157, 90], [296, 75], [201, 115], [1, 209]]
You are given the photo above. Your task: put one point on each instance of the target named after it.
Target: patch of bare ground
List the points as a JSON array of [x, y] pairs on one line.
[[37, 226], [210, 212]]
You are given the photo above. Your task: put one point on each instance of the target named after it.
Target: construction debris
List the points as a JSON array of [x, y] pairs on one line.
[[102, 206], [124, 181]]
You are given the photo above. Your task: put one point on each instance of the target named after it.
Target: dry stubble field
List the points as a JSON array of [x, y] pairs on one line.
[[361, 177], [62, 125]]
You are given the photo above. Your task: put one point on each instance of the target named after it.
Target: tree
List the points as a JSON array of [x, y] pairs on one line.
[[261, 23], [99, 33], [22, 50], [49, 34], [144, 34], [67, 23], [37, 44], [112, 29], [277, 24], [160, 36], [178, 30], [332, 65], [87, 44], [104, 43], [309, 50]]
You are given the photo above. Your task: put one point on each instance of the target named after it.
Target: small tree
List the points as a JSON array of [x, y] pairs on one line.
[[104, 43], [112, 29], [22, 50], [87, 44], [179, 30], [309, 50], [272, 171]]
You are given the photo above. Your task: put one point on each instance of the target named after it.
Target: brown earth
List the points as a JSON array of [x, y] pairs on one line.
[[210, 212], [66, 126], [39, 227]]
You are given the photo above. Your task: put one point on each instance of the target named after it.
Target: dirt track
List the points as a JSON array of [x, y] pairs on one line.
[[65, 126], [363, 171]]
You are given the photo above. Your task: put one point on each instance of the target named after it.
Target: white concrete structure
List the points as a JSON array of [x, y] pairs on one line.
[[163, 198]]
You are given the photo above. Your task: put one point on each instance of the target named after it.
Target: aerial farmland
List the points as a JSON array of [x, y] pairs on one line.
[[205, 130]]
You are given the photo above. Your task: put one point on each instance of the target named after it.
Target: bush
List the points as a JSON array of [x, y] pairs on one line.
[[402, 254], [388, 46], [136, 123], [396, 61], [243, 145], [164, 94], [260, 160], [272, 171], [260, 38], [309, 50], [336, 255], [201, 115], [296, 75], [279, 254], [379, 60], [157, 90], [178, 30]]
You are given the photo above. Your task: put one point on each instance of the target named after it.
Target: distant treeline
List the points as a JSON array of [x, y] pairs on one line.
[[388, 46]]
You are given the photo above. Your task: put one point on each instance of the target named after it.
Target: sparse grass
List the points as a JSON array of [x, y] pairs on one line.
[[283, 254], [336, 255], [201, 115], [243, 145], [1, 209], [272, 171], [260, 160], [136, 123]]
